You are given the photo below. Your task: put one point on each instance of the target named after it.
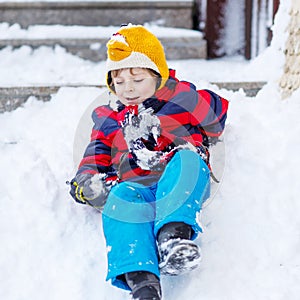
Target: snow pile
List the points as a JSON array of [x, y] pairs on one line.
[[46, 66], [28, 67], [53, 248], [50, 248], [250, 243]]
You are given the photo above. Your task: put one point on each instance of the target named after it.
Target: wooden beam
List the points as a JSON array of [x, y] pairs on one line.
[[214, 25], [248, 28], [275, 7]]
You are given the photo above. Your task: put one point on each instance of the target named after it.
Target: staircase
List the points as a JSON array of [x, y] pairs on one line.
[[175, 14], [84, 27], [90, 42]]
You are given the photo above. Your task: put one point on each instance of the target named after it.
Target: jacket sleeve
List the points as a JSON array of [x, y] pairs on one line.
[[200, 108], [210, 113], [97, 156]]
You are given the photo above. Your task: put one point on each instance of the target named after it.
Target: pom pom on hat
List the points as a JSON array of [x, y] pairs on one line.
[[133, 46]]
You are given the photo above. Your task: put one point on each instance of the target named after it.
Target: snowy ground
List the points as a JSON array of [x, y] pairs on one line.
[[27, 67], [53, 248]]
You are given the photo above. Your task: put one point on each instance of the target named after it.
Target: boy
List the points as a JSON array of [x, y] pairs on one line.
[[147, 164]]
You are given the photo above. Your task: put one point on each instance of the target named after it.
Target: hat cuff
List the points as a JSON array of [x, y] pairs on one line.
[[134, 60]]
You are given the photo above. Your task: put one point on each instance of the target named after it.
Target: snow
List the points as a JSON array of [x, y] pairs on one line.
[[61, 68], [76, 32], [53, 248], [234, 28]]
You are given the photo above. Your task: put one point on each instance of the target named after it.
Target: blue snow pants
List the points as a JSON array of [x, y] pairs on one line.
[[134, 213]]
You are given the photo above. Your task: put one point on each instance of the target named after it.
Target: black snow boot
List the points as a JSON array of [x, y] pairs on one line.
[[177, 253], [174, 230], [144, 285]]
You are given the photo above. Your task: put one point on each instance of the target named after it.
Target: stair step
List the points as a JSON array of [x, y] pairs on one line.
[[13, 97], [90, 42], [176, 13], [95, 49]]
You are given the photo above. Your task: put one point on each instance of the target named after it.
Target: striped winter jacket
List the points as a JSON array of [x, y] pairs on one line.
[[185, 114]]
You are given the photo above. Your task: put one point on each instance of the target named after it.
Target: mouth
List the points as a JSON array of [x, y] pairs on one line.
[[132, 99]]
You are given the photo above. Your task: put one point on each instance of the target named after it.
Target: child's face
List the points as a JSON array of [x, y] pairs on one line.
[[134, 86]]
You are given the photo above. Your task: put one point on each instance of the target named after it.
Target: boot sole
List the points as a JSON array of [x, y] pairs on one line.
[[183, 257]]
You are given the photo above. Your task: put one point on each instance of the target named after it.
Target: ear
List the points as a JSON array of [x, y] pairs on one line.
[[109, 82]]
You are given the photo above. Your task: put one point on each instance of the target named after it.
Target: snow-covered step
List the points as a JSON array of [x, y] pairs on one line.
[[172, 13], [13, 97], [90, 42], [95, 49]]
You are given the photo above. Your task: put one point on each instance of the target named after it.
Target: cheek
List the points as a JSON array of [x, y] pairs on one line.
[[118, 89], [150, 87]]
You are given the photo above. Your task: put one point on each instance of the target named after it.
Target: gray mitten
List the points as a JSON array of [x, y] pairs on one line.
[[90, 189]]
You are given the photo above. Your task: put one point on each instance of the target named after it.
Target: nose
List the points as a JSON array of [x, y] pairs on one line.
[[129, 86]]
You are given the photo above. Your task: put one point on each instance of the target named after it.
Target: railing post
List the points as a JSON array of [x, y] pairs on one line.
[[214, 27], [248, 28]]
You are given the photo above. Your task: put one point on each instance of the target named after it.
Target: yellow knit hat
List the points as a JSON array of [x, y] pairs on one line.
[[133, 46]]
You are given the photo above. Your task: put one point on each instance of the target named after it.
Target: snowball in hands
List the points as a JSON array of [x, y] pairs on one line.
[[143, 126]]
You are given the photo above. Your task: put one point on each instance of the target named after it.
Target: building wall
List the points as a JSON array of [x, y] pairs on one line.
[[290, 80]]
